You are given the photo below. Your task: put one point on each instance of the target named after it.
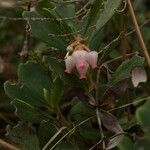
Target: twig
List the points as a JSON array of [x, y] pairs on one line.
[[100, 126], [38, 18], [7, 145], [124, 7], [129, 104], [69, 132], [119, 57], [69, 34], [139, 34], [26, 45], [83, 8], [53, 138], [99, 142], [118, 37]]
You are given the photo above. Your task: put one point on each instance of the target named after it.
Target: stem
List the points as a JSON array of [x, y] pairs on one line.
[[26, 45], [7, 145], [53, 137], [139, 34], [100, 127]]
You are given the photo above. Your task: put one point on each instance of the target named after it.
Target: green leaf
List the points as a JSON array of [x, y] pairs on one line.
[[42, 4], [124, 70], [22, 92], [27, 95], [27, 112], [79, 108], [46, 130], [109, 9], [96, 5], [142, 115], [33, 75], [55, 66], [96, 41], [40, 29], [66, 11], [23, 137], [65, 146], [110, 122], [126, 144], [56, 92]]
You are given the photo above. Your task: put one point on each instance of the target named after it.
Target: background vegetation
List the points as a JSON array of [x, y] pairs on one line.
[[42, 107]]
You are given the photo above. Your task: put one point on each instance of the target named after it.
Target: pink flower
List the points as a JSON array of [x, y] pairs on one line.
[[81, 59], [70, 64], [92, 59]]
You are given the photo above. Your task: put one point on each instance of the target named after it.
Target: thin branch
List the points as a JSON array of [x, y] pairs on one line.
[[99, 142], [71, 131], [118, 37], [123, 8], [26, 45], [129, 104], [53, 138], [100, 126], [37, 18], [119, 57], [83, 8], [7, 145], [139, 34]]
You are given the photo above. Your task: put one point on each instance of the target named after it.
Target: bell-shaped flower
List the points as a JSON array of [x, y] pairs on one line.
[[70, 64], [92, 59], [82, 67], [81, 59]]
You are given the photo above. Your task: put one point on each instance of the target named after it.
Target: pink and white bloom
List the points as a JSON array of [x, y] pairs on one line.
[[81, 59]]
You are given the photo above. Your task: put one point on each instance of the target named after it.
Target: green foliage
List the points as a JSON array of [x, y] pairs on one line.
[[110, 6], [56, 110], [124, 70], [56, 92], [41, 30], [142, 117], [95, 8], [23, 136]]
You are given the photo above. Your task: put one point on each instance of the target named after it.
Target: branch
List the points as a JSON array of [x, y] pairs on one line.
[[7, 145], [118, 37], [139, 34]]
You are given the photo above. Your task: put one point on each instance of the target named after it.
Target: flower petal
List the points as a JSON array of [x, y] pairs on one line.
[[92, 58], [80, 55], [82, 67], [70, 64]]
